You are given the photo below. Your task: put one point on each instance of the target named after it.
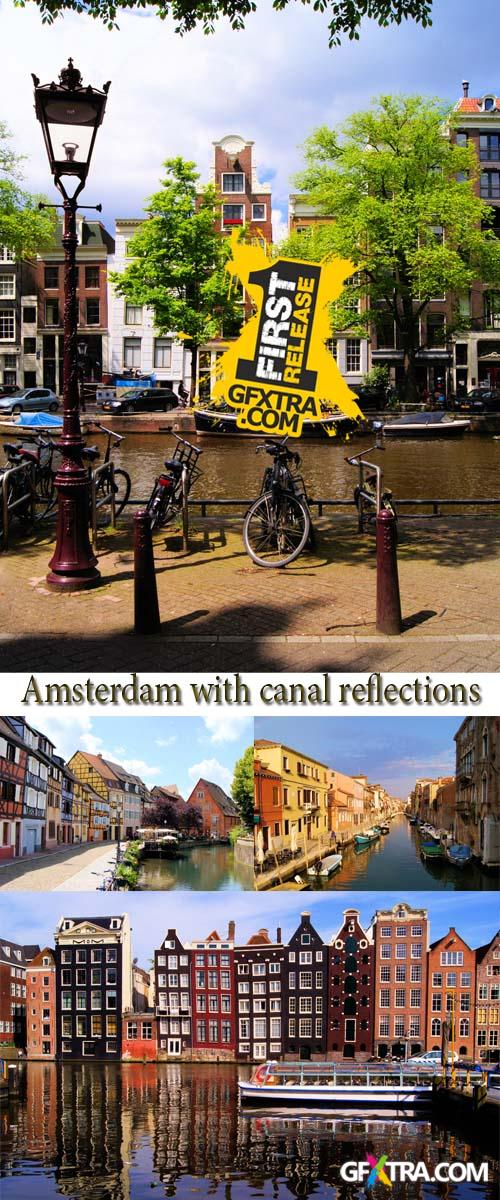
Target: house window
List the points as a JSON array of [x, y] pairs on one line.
[[29, 345], [232, 214], [6, 255], [233, 182], [7, 325], [51, 277], [489, 185], [51, 312], [163, 353], [258, 212], [353, 355], [29, 316], [8, 287], [132, 352], [305, 1027], [133, 314], [93, 312], [461, 139], [436, 331], [91, 277]]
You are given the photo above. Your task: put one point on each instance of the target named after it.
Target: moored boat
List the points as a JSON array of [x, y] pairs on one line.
[[220, 421], [326, 1084], [431, 850], [325, 868], [458, 855], [384, 829], [425, 425], [365, 839]]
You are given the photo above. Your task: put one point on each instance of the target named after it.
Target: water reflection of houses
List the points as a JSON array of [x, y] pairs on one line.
[[91, 1156]]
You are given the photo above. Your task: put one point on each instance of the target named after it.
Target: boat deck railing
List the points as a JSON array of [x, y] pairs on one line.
[[316, 1074]]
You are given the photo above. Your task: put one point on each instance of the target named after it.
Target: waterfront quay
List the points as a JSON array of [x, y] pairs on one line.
[[94, 1130]]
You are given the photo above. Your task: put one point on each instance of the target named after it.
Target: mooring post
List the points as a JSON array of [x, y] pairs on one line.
[[146, 610], [389, 619]]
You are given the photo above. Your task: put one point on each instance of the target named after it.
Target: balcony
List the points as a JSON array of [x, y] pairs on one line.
[[34, 814]]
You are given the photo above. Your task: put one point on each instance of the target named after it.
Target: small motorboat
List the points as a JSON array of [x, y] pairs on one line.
[[426, 425], [366, 839], [326, 868], [458, 854], [384, 829], [431, 850]]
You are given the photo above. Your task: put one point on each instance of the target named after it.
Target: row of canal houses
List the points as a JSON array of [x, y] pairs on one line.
[[385, 990], [467, 804], [299, 801], [46, 802]]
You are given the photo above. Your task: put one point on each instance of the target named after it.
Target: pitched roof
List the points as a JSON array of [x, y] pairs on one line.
[[482, 951], [221, 798], [259, 939], [472, 104], [20, 956], [100, 765]]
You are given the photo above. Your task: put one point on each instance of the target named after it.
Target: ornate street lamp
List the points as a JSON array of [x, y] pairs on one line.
[[70, 115]]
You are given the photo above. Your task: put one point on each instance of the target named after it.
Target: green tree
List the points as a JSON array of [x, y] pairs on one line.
[[242, 789], [400, 202], [24, 229], [345, 16], [179, 262]]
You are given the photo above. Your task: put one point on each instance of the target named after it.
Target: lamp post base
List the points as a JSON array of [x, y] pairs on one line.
[[73, 583]]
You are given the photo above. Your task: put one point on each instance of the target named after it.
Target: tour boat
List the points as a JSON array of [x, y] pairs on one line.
[[458, 854], [325, 1083], [325, 868], [220, 421], [431, 850], [425, 425]]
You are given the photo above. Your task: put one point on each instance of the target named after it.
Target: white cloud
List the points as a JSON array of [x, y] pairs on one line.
[[163, 742], [225, 726], [95, 745], [213, 770], [67, 732]]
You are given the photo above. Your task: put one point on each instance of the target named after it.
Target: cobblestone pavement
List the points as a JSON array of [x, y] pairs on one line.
[[69, 869], [220, 612]]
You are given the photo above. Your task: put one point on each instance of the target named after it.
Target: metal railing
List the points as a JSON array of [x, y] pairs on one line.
[[9, 507], [99, 501]]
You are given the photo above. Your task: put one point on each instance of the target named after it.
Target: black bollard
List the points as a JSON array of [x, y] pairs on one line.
[[146, 611], [389, 619]]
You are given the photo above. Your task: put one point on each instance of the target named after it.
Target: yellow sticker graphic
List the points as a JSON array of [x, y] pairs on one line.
[[279, 373]]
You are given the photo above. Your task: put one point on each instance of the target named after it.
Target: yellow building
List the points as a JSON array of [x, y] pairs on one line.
[[304, 784]]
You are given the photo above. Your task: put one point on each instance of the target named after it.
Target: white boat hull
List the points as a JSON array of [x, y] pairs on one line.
[[362, 1096]]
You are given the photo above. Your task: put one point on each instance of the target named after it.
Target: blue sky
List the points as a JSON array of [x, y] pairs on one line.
[[272, 83], [474, 915], [162, 750], [393, 751]]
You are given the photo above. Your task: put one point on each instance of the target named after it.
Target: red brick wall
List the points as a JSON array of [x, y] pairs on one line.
[[450, 944], [40, 984]]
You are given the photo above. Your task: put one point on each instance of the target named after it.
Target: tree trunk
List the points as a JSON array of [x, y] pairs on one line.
[[410, 386]]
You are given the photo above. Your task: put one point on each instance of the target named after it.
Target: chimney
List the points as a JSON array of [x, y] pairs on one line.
[[231, 930], [278, 935], [465, 87]]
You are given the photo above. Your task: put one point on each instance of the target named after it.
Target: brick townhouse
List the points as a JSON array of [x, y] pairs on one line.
[[212, 989], [93, 985], [350, 990], [41, 1042], [173, 997], [487, 1015], [451, 988], [260, 982], [400, 936], [306, 993], [14, 960], [218, 810]]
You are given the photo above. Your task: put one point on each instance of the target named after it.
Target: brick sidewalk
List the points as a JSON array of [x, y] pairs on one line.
[[220, 612]]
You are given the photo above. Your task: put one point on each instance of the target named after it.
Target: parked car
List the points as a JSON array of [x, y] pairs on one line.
[[136, 400], [481, 400], [430, 1058], [34, 399]]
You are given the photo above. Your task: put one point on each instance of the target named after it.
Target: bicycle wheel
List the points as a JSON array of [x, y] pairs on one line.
[[160, 507], [122, 489], [276, 529]]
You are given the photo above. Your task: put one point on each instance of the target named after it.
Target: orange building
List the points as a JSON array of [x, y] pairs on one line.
[[451, 986], [218, 811], [268, 799], [41, 1006], [139, 1037]]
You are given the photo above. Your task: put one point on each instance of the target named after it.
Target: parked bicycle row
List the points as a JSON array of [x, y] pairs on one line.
[[277, 526]]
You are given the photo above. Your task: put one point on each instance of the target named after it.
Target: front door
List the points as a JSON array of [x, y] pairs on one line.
[[174, 1046], [18, 839]]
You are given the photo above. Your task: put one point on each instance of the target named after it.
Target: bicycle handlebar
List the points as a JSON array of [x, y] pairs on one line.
[[188, 444], [110, 432], [356, 459]]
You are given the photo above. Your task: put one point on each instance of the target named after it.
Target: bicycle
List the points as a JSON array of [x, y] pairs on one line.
[[114, 479], [369, 496], [16, 493], [278, 524], [166, 499]]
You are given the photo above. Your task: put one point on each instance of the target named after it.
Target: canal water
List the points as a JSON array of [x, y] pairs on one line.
[[232, 469], [201, 869], [98, 1132], [394, 861]]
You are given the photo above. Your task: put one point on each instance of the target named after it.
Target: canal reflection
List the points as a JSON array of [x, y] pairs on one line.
[[199, 868], [442, 469], [396, 858], [99, 1132]]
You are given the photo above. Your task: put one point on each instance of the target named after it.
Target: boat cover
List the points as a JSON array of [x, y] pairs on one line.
[[40, 418]]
